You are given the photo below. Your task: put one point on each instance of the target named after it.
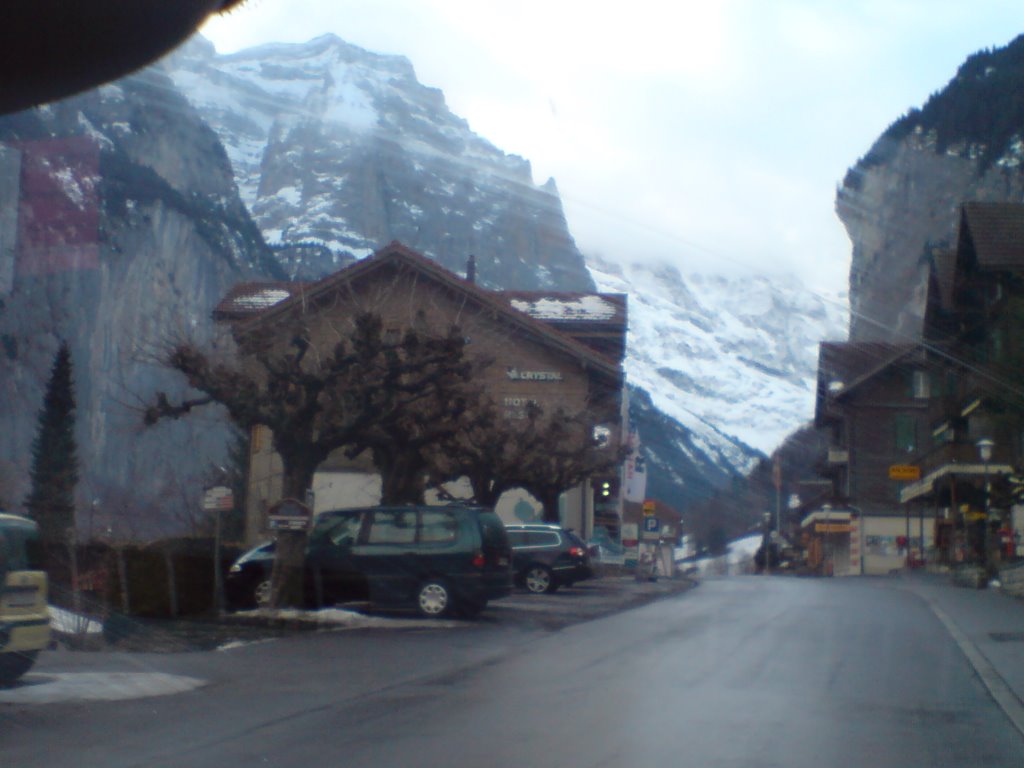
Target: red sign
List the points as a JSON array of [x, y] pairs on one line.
[[58, 209]]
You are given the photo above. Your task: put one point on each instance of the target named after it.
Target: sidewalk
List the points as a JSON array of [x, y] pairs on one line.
[[986, 623]]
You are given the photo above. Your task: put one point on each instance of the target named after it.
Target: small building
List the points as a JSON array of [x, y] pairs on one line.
[[552, 350], [925, 438], [831, 538], [974, 325], [872, 400]]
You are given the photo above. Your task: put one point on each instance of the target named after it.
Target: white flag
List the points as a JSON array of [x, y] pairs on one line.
[[636, 471]]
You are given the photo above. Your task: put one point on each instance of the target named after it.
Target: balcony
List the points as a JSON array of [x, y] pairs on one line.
[[949, 459]]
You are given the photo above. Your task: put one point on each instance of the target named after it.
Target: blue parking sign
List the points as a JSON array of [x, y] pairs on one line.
[[652, 525]]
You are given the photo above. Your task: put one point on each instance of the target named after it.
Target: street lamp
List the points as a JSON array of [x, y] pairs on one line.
[[985, 446], [766, 542]]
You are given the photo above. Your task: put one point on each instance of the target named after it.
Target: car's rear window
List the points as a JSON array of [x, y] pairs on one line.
[[543, 539], [533, 538], [574, 539]]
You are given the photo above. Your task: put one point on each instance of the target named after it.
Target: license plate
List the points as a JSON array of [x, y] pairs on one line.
[[502, 561]]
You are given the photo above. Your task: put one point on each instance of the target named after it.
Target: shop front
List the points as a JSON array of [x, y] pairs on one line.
[[833, 543]]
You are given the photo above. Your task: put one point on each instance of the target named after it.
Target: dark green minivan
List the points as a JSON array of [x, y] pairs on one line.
[[439, 560]]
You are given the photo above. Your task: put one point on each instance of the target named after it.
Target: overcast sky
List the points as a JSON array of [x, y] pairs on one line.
[[712, 134]]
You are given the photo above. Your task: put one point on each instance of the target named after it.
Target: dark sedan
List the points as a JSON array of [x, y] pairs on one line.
[[546, 557]]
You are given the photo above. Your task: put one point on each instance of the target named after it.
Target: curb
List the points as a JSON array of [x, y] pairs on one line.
[[994, 683]]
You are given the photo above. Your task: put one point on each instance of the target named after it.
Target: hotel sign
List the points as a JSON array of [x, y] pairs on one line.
[[514, 374]]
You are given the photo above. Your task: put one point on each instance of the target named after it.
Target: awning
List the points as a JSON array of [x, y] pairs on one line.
[[926, 484], [827, 517]]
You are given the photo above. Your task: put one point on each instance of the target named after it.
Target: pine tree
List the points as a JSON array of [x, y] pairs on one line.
[[54, 473]]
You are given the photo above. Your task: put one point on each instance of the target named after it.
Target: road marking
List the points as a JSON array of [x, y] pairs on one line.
[[54, 687], [997, 687]]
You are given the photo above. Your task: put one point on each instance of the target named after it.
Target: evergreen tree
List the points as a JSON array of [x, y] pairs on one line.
[[54, 473]]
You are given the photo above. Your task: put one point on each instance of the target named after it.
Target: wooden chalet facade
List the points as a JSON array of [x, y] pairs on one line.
[[554, 350], [975, 328], [923, 412], [872, 400]]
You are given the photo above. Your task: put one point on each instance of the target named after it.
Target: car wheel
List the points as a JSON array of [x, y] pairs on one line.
[[261, 593], [14, 665], [433, 598], [539, 580]]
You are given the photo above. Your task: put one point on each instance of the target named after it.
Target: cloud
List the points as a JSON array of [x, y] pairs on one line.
[[704, 132]]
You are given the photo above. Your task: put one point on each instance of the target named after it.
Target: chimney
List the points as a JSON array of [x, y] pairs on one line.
[[471, 269]]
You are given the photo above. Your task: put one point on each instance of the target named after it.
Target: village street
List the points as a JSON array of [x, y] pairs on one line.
[[741, 671]]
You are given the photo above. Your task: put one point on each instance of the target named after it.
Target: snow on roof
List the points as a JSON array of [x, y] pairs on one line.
[[577, 308], [267, 297], [248, 299]]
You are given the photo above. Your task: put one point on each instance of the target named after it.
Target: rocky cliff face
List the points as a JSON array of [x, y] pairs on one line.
[[338, 151], [902, 198], [123, 227]]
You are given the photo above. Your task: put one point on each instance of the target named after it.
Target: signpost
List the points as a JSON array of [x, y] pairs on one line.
[[651, 530], [906, 473], [218, 499], [631, 540], [289, 515]]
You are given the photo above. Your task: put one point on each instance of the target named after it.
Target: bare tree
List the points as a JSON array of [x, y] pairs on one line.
[[427, 389], [544, 453], [364, 392]]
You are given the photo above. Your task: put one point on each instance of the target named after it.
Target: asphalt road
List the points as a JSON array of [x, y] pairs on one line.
[[739, 672]]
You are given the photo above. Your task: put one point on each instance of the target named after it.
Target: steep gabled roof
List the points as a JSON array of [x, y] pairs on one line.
[[945, 272], [995, 234], [845, 366], [397, 255]]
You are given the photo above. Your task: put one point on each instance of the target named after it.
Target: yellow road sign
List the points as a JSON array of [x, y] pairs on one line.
[[904, 472]]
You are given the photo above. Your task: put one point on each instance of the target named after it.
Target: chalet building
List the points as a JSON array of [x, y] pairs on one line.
[[975, 324], [926, 437], [872, 400], [551, 349]]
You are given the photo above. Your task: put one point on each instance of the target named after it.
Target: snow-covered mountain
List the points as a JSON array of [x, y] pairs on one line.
[[732, 360], [337, 150]]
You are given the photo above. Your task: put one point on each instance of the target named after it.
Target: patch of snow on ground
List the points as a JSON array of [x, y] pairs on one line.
[[339, 618], [71, 623], [738, 559]]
